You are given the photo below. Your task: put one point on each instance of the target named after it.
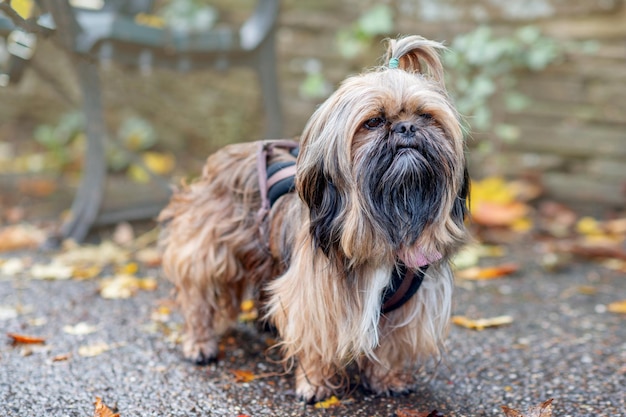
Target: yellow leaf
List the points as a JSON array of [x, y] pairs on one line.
[[101, 410], [617, 307], [588, 226], [243, 376], [247, 305], [331, 402], [481, 324], [86, 272], [128, 269], [159, 163], [478, 274], [125, 286]]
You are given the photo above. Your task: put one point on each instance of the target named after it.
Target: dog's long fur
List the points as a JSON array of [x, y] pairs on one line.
[[380, 179]]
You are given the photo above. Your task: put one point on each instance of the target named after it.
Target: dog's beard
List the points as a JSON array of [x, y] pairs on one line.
[[404, 182]]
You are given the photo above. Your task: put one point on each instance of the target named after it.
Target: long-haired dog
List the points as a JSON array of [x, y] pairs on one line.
[[379, 207]]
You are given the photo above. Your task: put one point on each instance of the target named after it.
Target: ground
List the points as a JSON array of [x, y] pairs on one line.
[[562, 344]]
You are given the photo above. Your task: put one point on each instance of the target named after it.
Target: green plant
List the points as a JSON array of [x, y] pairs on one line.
[[483, 70]]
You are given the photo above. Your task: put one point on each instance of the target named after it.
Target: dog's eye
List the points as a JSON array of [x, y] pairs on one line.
[[426, 116], [374, 123]]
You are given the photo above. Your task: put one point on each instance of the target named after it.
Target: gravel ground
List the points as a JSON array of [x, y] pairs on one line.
[[562, 344]]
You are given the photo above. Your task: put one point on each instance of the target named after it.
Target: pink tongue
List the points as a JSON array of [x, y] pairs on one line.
[[416, 258]]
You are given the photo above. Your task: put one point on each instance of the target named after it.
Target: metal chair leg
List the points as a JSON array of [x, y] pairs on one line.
[[88, 198], [268, 78]]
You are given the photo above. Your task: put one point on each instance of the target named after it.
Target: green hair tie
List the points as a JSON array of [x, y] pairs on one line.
[[394, 63]]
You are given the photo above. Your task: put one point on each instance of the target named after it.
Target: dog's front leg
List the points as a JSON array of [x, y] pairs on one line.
[[312, 378], [200, 341]]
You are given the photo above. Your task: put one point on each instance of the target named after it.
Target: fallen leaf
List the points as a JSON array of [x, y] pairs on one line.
[[12, 267], [494, 215], [123, 234], [53, 271], [103, 254], [497, 203], [96, 349], [243, 376], [542, 410], [101, 410], [7, 313], [125, 286], [617, 307], [128, 269], [39, 187], [86, 272], [481, 324], [486, 273], [150, 257], [80, 329], [62, 357], [20, 236], [331, 402], [248, 311], [25, 340]]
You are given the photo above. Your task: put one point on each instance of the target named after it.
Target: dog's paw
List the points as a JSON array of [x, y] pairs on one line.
[[390, 384], [201, 353], [311, 394]]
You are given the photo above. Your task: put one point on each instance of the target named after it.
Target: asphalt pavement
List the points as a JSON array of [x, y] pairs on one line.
[[562, 344]]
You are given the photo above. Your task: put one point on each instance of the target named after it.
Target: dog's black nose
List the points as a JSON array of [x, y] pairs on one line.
[[405, 128]]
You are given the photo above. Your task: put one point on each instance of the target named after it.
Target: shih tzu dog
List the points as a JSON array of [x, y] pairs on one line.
[[345, 245]]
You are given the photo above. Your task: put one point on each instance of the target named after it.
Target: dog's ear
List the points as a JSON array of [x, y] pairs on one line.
[[325, 203], [416, 54], [460, 209]]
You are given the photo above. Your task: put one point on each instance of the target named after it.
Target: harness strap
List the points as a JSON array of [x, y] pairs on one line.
[[404, 284], [264, 152]]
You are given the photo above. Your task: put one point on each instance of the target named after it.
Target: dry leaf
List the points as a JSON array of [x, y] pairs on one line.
[[496, 203], [542, 410], [105, 253], [37, 187], [80, 329], [89, 351], [53, 271], [12, 267], [125, 286], [7, 313], [243, 376], [150, 257], [481, 324], [25, 340], [486, 273], [617, 307], [248, 311], [123, 234], [62, 357], [86, 272], [101, 410], [331, 402], [20, 236]]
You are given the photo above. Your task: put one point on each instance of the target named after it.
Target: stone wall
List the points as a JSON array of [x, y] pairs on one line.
[[573, 136]]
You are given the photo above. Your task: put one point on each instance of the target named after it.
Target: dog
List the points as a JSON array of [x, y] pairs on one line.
[[352, 267]]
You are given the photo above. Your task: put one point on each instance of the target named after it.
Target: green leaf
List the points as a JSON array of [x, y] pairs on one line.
[[314, 86], [377, 21]]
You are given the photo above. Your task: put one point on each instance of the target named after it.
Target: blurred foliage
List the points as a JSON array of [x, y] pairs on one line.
[[483, 69]]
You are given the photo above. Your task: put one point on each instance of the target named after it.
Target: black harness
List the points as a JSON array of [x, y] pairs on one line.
[[404, 281]]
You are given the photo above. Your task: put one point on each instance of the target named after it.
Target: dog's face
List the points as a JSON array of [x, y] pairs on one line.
[[382, 169]]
